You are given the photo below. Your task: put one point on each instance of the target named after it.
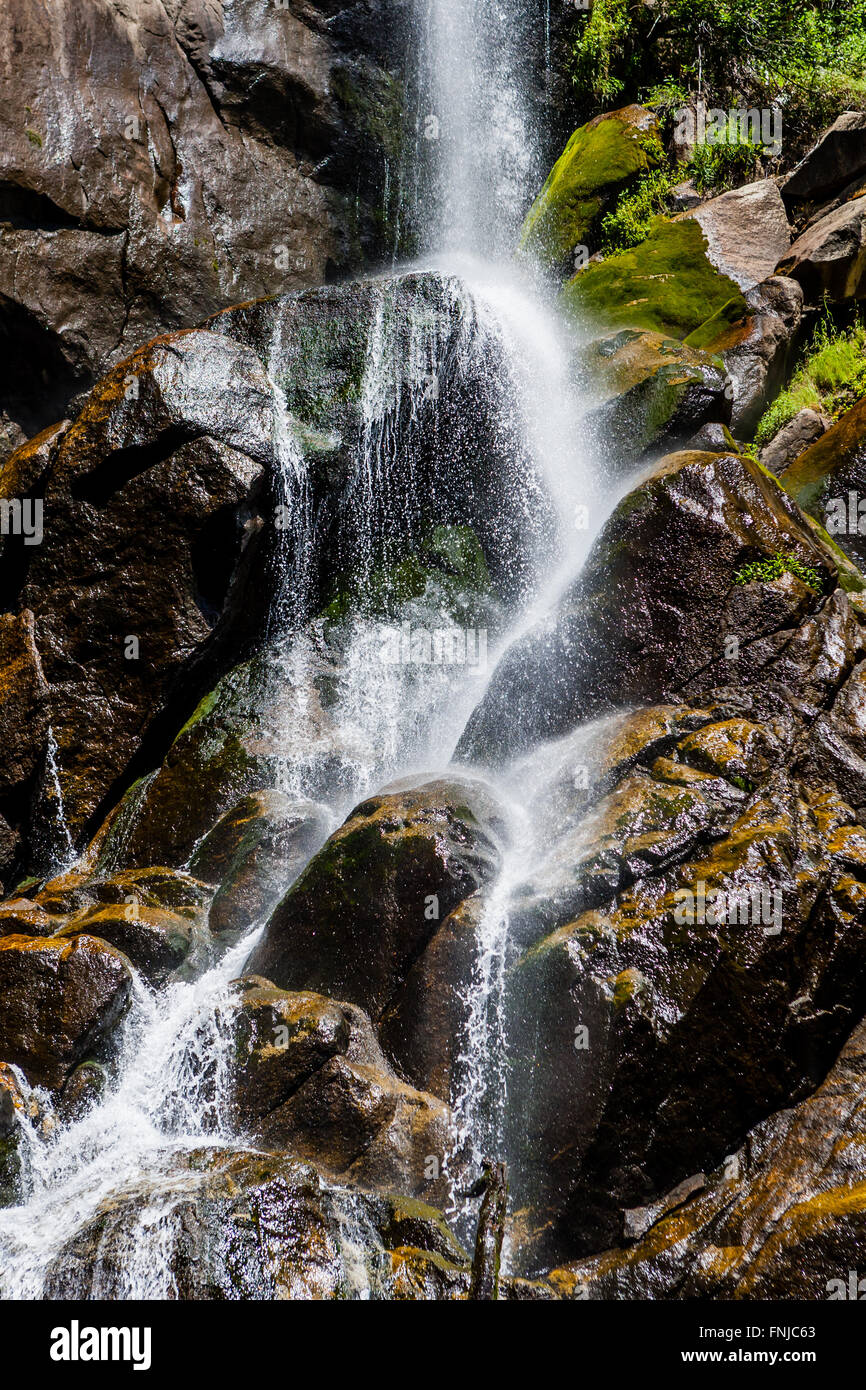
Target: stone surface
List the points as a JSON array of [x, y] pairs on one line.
[[747, 231], [794, 439], [130, 139], [828, 480], [837, 158], [829, 258], [365, 906], [652, 392], [59, 1001]]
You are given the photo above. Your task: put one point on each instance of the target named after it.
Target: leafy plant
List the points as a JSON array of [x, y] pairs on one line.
[[629, 223], [766, 570], [725, 164], [830, 379]]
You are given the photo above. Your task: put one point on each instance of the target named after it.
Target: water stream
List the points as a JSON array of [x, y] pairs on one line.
[[168, 1095]]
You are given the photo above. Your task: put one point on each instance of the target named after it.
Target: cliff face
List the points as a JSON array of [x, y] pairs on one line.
[[162, 159]]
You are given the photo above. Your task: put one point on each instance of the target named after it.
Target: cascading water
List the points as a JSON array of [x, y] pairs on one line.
[[385, 718]]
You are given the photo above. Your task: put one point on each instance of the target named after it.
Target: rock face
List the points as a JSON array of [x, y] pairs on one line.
[[747, 232], [783, 1217], [830, 256], [837, 158], [125, 177], [59, 1000], [144, 504], [756, 341], [630, 633], [828, 480], [365, 906]]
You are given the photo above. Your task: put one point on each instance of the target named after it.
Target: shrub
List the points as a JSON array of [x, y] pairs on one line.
[[766, 570], [831, 378]]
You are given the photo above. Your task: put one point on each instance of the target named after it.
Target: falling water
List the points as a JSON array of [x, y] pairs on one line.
[[167, 1096]]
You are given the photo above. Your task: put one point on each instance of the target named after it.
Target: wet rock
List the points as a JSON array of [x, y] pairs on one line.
[[828, 480], [254, 853], [84, 1089], [668, 1029], [144, 514], [793, 439], [25, 917], [599, 161], [59, 1001], [155, 941], [23, 709], [109, 239], [366, 905], [628, 632], [308, 1076], [652, 390], [783, 1217], [829, 258], [13, 1106], [747, 231], [246, 1225]]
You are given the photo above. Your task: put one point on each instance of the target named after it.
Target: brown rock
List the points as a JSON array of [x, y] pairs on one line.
[[59, 1001]]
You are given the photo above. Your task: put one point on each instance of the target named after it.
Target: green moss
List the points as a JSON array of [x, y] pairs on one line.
[[35, 138], [596, 164], [448, 567], [830, 379], [711, 335], [766, 570], [666, 284]]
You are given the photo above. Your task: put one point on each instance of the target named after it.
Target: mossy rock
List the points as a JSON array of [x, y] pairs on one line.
[[667, 285], [600, 159], [652, 390], [822, 479]]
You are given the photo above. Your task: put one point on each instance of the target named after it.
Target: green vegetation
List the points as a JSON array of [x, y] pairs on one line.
[[630, 222], [665, 284], [831, 378], [727, 163], [813, 54], [765, 571], [601, 159]]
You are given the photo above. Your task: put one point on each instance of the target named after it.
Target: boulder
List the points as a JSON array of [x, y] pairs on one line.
[[599, 161], [23, 724], [747, 231], [59, 1001], [793, 439], [666, 285], [829, 258], [254, 853], [757, 344], [628, 632], [782, 1218], [837, 158], [156, 942], [366, 905], [652, 392]]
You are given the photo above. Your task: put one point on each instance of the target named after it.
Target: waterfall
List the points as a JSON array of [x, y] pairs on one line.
[[393, 717]]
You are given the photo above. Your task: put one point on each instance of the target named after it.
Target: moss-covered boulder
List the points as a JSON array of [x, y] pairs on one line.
[[666, 285], [599, 161], [828, 481], [652, 392], [154, 940], [366, 905]]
